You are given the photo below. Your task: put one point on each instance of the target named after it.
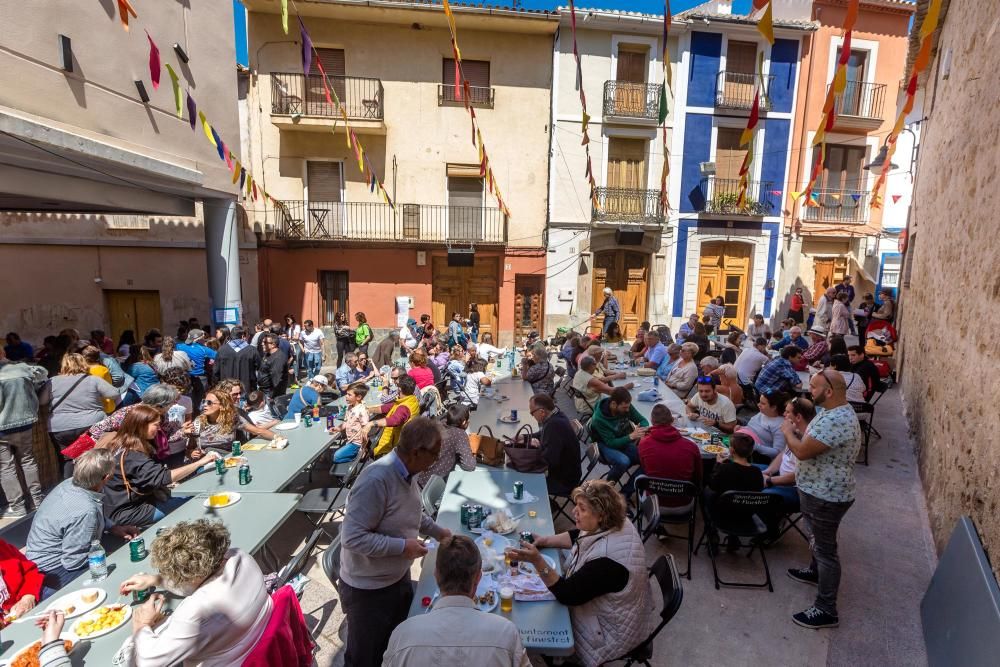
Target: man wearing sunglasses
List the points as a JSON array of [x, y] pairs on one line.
[[712, 408], [825, 477]]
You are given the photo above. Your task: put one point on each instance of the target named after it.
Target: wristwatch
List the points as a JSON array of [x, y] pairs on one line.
[[544, 571]]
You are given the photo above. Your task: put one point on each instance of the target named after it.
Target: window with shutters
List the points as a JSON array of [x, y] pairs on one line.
[[626, 182], [333, 289], [452, 92], [465, 204], [334, 65], [738, 82], [324, 191]]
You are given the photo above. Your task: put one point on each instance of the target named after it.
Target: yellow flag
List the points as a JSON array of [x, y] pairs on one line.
[[284, 16], [820, 134], [766, 25], [795, 195], [207, 128], [931, 18], [236, 172], [451, 17], [175, 84], [840, 80]]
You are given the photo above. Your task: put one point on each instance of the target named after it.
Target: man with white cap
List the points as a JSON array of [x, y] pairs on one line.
[[818, 347], [307, 396], [611, 309]]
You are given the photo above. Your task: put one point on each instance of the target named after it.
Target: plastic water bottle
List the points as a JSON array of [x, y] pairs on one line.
[[656, 381], [97, 561]]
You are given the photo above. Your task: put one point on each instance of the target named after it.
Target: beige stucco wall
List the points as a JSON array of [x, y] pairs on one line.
[[421, 136], [99, 97], [949, 313]]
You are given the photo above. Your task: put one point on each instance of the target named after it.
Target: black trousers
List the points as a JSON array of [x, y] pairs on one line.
[[372, 615], [344, 345]]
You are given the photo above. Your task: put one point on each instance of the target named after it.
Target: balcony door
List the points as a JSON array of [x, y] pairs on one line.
[[325, 200], [741, 63], [843, 183], [626, 272], [728, 160], [626, 180], [724, 270], [630, 91], [334, 65], [465, 204], [853, 101]]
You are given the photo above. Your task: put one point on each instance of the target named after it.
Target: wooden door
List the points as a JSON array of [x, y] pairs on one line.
[[529, 292], [741, 68], [455, 287], [728, 160], [627, 273], [630, 91], [724, 270], [829, 271], [132, 309], [626, 176]]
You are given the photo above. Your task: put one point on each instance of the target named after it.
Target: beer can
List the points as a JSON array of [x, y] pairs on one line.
[[466, 511], [237, 448], [143, 595], [518, 490], [245, 475], [220, 465], [137, 549], [475, 516], [513, 415], [526, 537], [329, 422]]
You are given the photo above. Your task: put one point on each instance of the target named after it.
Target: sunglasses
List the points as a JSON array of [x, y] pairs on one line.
[[208, 403], [705, 379]]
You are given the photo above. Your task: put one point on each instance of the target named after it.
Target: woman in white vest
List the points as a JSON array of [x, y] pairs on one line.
[[606, 585]]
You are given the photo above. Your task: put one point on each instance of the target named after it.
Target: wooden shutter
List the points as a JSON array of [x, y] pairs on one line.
[[627, 163], [741, 57], [631, 66], [324, 181], [728, 154], [333, 61]]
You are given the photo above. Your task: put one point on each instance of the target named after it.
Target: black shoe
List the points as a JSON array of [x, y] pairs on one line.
[[804, 575], [815, 619]]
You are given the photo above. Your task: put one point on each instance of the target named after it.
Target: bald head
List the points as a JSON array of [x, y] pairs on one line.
[[828, 389]]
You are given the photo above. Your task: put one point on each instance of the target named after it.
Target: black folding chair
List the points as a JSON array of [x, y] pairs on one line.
[[677, 505], [867, 410], [738, 513], [589, 457], [665, 572], [325, 501]]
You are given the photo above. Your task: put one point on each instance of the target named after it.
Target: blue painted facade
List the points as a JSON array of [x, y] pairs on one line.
[[705, 60]]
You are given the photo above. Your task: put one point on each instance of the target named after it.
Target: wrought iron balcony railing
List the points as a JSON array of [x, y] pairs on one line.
[[451, 96], [722, 197], [862, 99], [736, 90], [632, 100], [840, 206], [295, 94], [626, 205], [408, 223]]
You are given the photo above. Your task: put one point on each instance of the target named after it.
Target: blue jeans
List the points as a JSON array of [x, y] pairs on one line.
[[474, 334], [57, 577], [314, 362], [165, 507], [620, 460]]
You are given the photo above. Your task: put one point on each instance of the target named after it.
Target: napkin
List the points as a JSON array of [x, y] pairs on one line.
[[649, 396], [527, 498], [530, 588]]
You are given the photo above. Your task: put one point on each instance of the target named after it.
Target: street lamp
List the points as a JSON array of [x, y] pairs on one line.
[[877, 165]]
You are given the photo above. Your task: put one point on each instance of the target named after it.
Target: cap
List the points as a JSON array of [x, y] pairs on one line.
[[195, 334], [749, 432], [819, 331], [321, 379]]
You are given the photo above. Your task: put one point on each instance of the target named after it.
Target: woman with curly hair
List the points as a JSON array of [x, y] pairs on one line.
[[138, 492], [220, 424], [225, 609]]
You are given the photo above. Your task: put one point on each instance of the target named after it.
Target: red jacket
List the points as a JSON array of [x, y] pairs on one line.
[[286, 641], [20, 574], [666, 453]]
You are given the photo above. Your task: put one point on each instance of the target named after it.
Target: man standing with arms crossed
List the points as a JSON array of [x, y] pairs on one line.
[[379, 537], [612, 311], [825, 478]]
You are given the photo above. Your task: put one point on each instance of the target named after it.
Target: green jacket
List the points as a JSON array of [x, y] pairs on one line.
[[614, 431]]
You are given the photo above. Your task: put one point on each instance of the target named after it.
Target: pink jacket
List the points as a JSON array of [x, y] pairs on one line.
[[286, 641]]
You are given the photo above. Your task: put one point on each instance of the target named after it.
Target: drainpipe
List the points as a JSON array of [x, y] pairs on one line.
[[222, 253]]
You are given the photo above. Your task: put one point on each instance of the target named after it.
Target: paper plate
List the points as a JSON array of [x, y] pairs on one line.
[[285, 426], [74, 601], [100, 633], [234, 498]]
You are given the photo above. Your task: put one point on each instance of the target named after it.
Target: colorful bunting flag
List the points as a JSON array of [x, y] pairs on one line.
[[237, 170], [765, 25], [856, 198], [124, 10], [284, 16], [192, 110], [307, 49], [795, 195], [243, 177], [217, 142], [748, 132], [154, 62], [896, 198], [229, 157], [175, 85], [206, 127]]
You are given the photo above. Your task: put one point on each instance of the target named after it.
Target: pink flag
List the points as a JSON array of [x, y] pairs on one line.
[[154, 62]]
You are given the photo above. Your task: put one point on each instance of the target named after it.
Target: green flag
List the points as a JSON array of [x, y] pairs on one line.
[[663, 104]]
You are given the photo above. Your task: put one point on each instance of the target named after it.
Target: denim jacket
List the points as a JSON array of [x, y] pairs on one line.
[[20, 387]]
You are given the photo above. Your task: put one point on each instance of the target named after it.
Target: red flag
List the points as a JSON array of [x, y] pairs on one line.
[[154, 62], [458, 77], [896, 198], [845, 49]]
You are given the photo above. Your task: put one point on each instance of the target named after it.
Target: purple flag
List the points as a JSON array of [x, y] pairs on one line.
[[307, 46], [192, 110]]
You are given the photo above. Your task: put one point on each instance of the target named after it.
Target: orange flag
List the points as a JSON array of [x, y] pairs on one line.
[[124, 9]]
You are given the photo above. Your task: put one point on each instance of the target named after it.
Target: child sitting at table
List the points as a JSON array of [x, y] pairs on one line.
[[354, 425], [259, 412]]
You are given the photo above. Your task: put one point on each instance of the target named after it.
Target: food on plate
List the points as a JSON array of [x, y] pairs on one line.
[[700, 435], [29, 657], [500, 522], [218, 499], [99, 620], [487, 599], [646, 372], [234, 461], [714, 449], [88, 597]]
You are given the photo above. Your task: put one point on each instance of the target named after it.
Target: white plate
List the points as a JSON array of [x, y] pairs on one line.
[[285, 426], [233, 499], [499, 543], [101, 633], [75, 599], [508, 420], [483, 588], [528, 568], [65, 636]]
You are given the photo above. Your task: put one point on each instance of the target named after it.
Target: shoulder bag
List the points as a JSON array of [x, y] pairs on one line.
[[488, 450], [521, 456]]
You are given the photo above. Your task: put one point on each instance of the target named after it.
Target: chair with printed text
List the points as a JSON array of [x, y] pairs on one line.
[[677, 503], [740, 514]]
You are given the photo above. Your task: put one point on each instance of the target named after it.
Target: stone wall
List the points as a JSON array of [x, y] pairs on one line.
[[950, 304]]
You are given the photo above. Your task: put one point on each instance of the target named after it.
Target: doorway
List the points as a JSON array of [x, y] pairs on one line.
[[453, 288], [630, 77], [529, 292], [626, 272], [132, 309], [829, 271], [724, 270]]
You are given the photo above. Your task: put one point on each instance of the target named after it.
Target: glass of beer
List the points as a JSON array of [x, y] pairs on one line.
[[506, 599]]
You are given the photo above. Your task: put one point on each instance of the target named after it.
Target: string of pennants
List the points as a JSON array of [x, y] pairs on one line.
[[668, 86], [589, 173], [463, 91], [930, 24], [750, 134]]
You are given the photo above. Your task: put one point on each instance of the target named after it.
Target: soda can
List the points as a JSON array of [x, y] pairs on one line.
[[220, 466], [245, 475], [475, 516], [526, 537], [329, 422], [308, 420], [137, 549], [237, 448], [513, 415], [518, 490], [143, 595], [466, 511]]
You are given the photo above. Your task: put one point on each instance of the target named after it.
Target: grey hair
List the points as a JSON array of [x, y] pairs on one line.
[[350, 357], [161, 396], [587, 362], [673, 348], [690, 347], [420, 434], [540, 354], [710, 362], [91, 467], [728, 370]]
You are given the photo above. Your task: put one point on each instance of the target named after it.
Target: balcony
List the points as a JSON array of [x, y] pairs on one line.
[[625, 205], [454, 96], [297, 220], [632, 101], [861, 106], [300, 101], [722, 197], [736, 90], [837, 206]]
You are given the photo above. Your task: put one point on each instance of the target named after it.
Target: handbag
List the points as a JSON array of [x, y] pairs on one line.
[[521, 456], [488, 450]]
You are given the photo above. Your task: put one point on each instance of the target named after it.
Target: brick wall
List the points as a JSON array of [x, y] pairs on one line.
[[950, 312]]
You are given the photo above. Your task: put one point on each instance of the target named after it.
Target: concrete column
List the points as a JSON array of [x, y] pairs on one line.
[[222, 252], [791, 255]]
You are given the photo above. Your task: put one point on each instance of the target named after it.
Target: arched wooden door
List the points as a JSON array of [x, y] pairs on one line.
[[627, 273], [724, 271]]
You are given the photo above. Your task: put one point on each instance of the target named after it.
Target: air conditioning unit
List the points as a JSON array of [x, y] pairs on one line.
[[707, 168]]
